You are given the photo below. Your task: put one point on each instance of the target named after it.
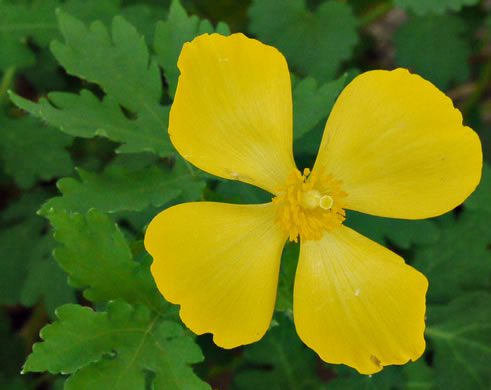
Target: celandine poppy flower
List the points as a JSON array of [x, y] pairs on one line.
[[393, 146]]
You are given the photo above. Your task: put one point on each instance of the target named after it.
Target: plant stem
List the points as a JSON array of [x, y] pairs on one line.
[[7, 77]]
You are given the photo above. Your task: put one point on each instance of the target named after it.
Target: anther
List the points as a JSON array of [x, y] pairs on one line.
[[304, 208]]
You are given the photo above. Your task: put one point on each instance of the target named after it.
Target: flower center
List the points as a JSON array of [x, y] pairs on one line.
[[309, 205]]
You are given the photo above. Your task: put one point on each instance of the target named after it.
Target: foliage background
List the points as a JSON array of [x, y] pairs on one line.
[[85, 163]]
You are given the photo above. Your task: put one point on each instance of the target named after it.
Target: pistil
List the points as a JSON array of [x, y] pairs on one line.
[[309, 205]]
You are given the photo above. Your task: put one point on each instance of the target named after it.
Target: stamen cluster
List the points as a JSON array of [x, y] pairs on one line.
[[309, 205]]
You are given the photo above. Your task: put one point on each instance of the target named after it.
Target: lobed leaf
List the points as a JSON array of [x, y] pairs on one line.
[[461, 259], [27, 270], [481, 197], [461, 335], [314, 43], [22, 21], [13, 264], [14, 257], [438, 54], [116, 349], [19, 21], [46, 280], [349, 379], [119, 189], [142, 16], [86, 116], [419, 376], [32, 151], [399, 232], [119, 62], [313, 103], [98, 259], [238, 192], [292, 363], [103, 11], [121, 65], [171, 35]]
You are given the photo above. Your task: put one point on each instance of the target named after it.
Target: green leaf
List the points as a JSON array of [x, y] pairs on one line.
[[423, 7], [37, 21], [116, 349], [14, 53], [314, 43], [86, 116], [289, 260], [97, 258], [17, 246], [438, 54], [461, 259], [461, 335], [171, 35], [18, 22], [481, 197], [313, 103], [120, 64], [306, 147], [46, 280], [27, 270], [119, 189], [32, 151], [419, 376], [45, 75], [144, 17], [238, 192], [290, 364], [399, 232], [102, 11], [23, 208], [347, 378]]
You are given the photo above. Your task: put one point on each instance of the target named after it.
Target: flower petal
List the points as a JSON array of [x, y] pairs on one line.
[[400, 147], [220, 262], [232, 114], [357, 303]]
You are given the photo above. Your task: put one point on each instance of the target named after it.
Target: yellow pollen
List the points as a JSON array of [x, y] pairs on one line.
[[309, 205]]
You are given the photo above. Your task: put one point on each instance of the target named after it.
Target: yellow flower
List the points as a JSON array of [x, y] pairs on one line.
[[393, 146]]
